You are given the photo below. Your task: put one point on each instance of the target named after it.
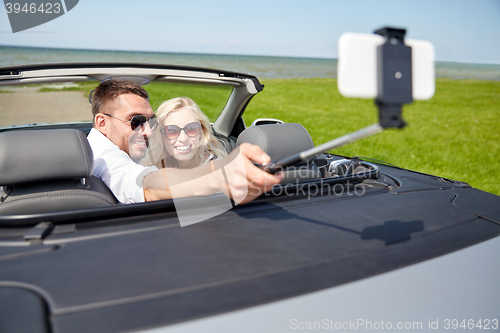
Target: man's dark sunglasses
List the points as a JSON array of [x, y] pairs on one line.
[[172, 132], [138, 121]]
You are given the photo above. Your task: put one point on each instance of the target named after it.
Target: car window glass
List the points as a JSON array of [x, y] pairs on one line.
[[45, 103], [69, 101], [210, 99]]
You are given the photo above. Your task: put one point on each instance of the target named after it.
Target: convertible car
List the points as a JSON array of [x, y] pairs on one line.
[[341, 244]]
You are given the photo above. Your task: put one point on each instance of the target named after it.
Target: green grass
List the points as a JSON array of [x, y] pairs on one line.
[[85, 87], [454, 135], [46, 89]]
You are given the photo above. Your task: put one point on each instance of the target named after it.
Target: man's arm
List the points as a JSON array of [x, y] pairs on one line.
[[235, 176]]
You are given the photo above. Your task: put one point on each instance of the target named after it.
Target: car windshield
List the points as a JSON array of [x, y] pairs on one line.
[[65, 105], [69, 102]]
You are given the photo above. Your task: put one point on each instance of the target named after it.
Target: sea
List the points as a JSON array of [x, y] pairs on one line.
[[268, 67]]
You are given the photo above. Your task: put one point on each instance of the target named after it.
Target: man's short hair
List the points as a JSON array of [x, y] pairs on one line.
[[108, 90]]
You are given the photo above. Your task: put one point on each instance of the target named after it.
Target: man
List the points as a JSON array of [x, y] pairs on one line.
[[123, 122]]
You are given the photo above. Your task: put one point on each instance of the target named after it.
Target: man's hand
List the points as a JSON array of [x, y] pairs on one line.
[[235, 175], [245, 181]]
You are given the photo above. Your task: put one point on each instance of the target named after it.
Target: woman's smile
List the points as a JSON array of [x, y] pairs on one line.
[[183, 147]]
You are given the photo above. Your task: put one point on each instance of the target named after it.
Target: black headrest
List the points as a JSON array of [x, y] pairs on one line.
[[278, 140], [37, 155]]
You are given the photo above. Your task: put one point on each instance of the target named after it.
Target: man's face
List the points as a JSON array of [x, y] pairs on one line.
[[134, 143]]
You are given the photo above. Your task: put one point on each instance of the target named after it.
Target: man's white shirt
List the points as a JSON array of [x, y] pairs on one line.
[[117, 170]]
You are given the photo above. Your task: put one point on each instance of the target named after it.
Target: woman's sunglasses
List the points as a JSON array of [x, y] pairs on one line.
[[172, 132], [139, 121]]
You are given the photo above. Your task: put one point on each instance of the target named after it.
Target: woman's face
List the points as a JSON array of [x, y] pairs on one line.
[[184, 146]]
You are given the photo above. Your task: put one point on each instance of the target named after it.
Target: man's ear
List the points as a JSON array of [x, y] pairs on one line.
[[100, 123]]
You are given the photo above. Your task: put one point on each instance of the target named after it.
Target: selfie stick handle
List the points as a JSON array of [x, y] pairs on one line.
[[343, 140], [336, 143]]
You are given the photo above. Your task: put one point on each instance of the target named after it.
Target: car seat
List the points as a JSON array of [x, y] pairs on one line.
[[280, 141], [48, 170]]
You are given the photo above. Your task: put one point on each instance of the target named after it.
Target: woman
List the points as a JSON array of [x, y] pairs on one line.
[[184, 138]]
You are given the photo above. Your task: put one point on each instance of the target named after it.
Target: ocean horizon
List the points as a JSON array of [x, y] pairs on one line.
[[267, 67]]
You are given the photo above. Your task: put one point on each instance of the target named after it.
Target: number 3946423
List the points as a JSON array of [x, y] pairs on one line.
[[47, 8]]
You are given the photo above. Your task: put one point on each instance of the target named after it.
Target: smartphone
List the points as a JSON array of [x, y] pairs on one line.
[[357, 66]]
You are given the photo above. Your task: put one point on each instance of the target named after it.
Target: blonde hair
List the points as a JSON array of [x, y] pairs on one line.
[[209, 144]]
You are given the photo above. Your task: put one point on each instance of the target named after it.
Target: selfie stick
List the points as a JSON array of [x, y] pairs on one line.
[[394, 89]]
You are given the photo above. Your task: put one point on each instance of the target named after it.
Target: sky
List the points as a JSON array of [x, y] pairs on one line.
[[461, 30]]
